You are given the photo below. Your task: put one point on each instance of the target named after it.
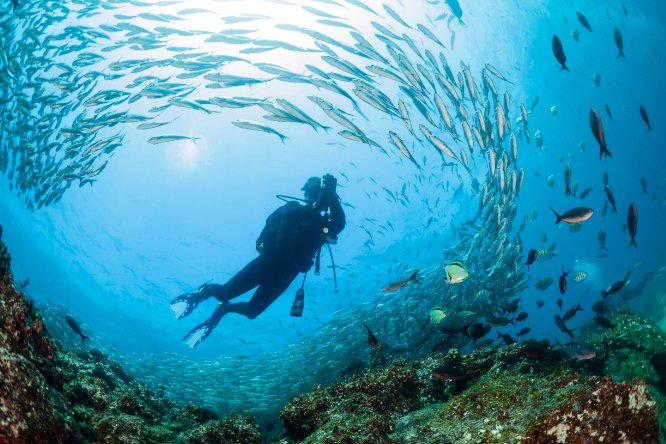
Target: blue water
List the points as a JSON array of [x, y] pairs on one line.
[[163, 219]]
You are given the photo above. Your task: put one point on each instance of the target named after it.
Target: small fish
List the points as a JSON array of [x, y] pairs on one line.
[[584, 193], [169, 138], [559, 303], [545, 255], [539, 303], [437, 314], [445, 372], [98, 354], [602, 255], [523, 332], [456, 10], [522, 316], [464, 314], [563, 281], [455, 273], [372, 339], [619, 42], [644, 184], [571, 313], [543, 237], [398, 283], [484, 343], [575, 215], [575, 227], [558, 51], [632, 223], [579, 277], [498, 321], [579, 350], [583, 21], [601, 237], [535, 350], [645, 117], [531, 257], [603, 322], [598, 132], [254, 126], [75, 326], [353, 367], [608, 111], [619, 285], [560, 324], [544, 284]]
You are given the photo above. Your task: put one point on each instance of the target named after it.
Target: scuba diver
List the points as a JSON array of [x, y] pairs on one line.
[[294, 234]]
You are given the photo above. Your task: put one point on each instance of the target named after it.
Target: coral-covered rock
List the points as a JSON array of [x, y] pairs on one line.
[[607, 412], [357, 410], [516, 398], [240, 428], [120, 429], [30, 410]]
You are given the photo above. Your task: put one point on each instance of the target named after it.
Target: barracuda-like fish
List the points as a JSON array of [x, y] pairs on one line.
[[254, 126], [395, 140]]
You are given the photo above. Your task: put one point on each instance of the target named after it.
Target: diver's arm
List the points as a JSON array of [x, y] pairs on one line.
[[338, 219]]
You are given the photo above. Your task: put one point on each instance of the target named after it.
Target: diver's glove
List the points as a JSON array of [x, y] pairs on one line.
[[185, 304], [203, 330]]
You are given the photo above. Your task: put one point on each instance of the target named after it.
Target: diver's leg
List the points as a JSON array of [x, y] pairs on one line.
[[244, 281], [274, 283]]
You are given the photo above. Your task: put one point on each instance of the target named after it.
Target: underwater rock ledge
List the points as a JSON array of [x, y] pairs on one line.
[[51, 394]]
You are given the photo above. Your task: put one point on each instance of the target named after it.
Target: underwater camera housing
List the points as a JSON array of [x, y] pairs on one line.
[[328, 188], [329, 184], [299, 304]]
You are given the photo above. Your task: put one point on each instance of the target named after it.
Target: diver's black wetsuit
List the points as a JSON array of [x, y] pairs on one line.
[[287, 245]]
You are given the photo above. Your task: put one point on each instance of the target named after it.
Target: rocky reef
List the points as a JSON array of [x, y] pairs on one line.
[[52, 394], [515, 398]]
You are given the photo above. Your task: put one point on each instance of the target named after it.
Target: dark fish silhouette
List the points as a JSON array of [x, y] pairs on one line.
[[563, 282], [560, 324], [609, 113], [535, 350], [559, 52], [560, 302], [75, 326], [611, 199], [598, 131], [446, 372], [531, 257], [98, 354], [539, 303], [584, 194], [603, 322], [619, 285], [645, 118], [583, 21], [632, 223], [351, 368], [619, 42], [571, 313], [372, 339]]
